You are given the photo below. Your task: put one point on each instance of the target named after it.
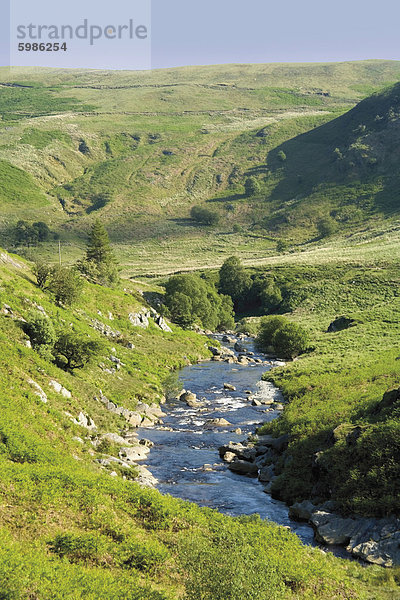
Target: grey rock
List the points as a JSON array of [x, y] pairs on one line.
[[162, 324], [243, 467], [266, 473], [216, 423], [301, 511], [38, 390], [133, 453], [229, 387], [114, 438], [140, 319]]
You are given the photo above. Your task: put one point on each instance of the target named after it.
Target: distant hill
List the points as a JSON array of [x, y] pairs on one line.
[[139, 149]]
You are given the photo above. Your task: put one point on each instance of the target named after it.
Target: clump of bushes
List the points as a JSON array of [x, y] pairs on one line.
[[190, 300], [204, 216], [279, 335], [68, 349]]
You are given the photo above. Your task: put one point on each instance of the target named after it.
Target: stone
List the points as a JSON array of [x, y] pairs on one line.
[[130, 346], [140, 319], [216, 423], [301, 511], [38, 390], [162, 324], [215, 351], [278, 444], [147, 422], [243, 360], [133, 418], [239, 450], [144, 477], [145, 442], [27, 343], [190, 399], [114, 438], [85, 421], [256, 402], [243, 467], [266, 473], [133, 453], [341, 323], [240, 347], [229, 457], [57, 387], [229, 387]]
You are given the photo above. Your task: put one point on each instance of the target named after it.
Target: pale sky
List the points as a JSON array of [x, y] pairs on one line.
[[218, 31]]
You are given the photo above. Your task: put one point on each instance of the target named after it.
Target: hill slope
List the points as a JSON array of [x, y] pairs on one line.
[[76, 525], [139, 149]]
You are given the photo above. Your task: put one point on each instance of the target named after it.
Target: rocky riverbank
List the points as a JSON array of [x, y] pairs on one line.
[[372, 540]]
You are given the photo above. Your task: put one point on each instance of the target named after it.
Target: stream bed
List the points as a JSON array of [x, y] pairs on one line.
[[186, 461]]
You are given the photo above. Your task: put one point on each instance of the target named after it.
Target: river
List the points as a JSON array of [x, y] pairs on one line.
[[186, 462]]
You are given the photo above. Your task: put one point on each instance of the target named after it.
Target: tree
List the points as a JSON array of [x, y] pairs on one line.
[[99, 265], [75, 351], [42, 273], [66, 285], [251, 186], [190, 299], [234, 281]]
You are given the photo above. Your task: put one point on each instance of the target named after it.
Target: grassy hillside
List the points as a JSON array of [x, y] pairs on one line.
[[343, 425], [139, 149], [73, 529]]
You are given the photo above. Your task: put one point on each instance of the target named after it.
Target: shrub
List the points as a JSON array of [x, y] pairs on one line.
[[42, 273], [146, 556], [86, 547], [327, 227], [205, 216], [66, 285], [42, 334], [251, 186], [290, 340], [268, 327]]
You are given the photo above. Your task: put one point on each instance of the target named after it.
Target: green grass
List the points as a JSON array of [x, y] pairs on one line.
[[69, 530], [341, 381]]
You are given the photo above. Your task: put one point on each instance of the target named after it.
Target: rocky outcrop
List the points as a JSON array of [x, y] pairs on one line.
[[145, 415], [38, 390], [373, 540], [57, 387], [142, 319], [85, 421]]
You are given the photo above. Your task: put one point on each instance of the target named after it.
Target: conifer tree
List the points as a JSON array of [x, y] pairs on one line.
[[99, 265]]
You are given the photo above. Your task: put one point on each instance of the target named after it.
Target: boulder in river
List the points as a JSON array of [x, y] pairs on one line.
[[216, 423], [229, 387], [190, 399], [229, 457], [243, 467], [240, 347]]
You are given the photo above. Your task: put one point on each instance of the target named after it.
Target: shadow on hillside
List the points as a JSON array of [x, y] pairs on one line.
[[224, 199]]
